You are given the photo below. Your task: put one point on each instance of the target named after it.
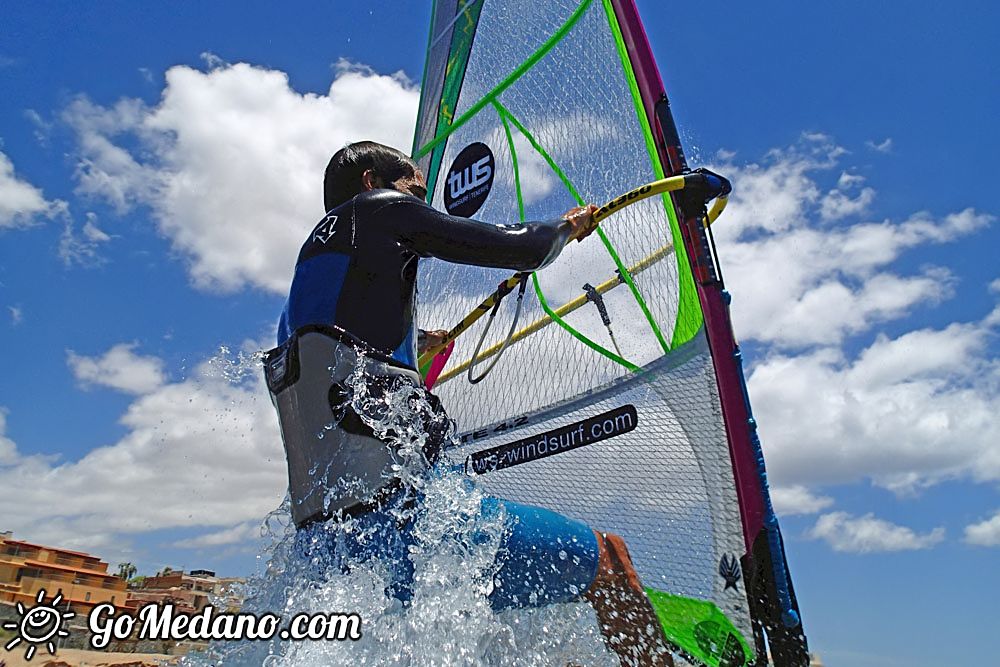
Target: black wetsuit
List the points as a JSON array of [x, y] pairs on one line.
[[358, 268]]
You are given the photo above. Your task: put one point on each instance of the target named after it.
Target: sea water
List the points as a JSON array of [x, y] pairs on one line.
[[448, 620]]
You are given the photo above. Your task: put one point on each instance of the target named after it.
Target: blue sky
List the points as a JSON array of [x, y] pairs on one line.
[[861, 252]]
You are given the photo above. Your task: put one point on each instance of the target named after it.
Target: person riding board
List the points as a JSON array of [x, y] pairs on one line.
[[352, 299]]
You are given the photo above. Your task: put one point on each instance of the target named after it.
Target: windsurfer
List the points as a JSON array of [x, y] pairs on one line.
[[352, 297]]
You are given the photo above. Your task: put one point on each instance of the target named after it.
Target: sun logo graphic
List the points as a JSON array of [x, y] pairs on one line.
[[39, 625]]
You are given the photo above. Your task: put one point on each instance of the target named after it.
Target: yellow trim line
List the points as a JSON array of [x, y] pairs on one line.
[[561, 311]]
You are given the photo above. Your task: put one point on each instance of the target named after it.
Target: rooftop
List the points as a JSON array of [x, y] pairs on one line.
[[66, 568], [32, 545]]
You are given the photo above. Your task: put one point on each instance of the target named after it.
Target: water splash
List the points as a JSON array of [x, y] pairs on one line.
[[235, 369], [451, 555]]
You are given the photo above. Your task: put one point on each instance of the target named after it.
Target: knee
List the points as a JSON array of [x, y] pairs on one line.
[[613, 553], [616, 543], [614, 561], [613, 548]]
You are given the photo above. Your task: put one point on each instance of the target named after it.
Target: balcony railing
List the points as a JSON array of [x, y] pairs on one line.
[[63, 577], [18, 551], [63, 560]]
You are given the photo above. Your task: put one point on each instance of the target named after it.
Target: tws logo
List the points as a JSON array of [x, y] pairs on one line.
[[461, 182], [469, 180]]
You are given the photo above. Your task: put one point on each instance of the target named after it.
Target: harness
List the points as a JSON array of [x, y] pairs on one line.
[[337, 465]]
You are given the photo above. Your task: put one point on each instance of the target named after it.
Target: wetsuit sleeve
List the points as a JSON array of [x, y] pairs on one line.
[[431, 233]]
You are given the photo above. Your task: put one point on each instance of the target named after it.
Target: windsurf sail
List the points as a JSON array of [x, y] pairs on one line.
[[620, 398]]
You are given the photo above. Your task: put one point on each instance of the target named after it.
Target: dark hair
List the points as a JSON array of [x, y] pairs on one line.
[[343, 174]]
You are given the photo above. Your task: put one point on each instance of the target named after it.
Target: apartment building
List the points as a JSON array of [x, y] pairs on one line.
[[82, 579], [189, 592]]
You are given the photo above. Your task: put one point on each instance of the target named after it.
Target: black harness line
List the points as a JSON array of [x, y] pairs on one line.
[[501, 293]]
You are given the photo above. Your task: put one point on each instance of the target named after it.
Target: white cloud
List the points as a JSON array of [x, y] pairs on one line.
[[724, 155], [90, 535], [884, 146], [92, 232], [212, 61], [848, 180], [16, 315], [776, 195], [906, 412], [202, 452], [808, 282], [789, 500], [837, 203], [829, 310], [231, 160], [118, 368], [43, 128], [986, 533], [240, 533], [74, 249], [105, 169], [8, 450], [21, 203], [867, 534]]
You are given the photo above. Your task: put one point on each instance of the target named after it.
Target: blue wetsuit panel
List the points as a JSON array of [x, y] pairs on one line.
[[322, 278], [404, 353], [358, 267]]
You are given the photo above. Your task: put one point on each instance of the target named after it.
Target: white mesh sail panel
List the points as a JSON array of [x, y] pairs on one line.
[[567, 126]]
